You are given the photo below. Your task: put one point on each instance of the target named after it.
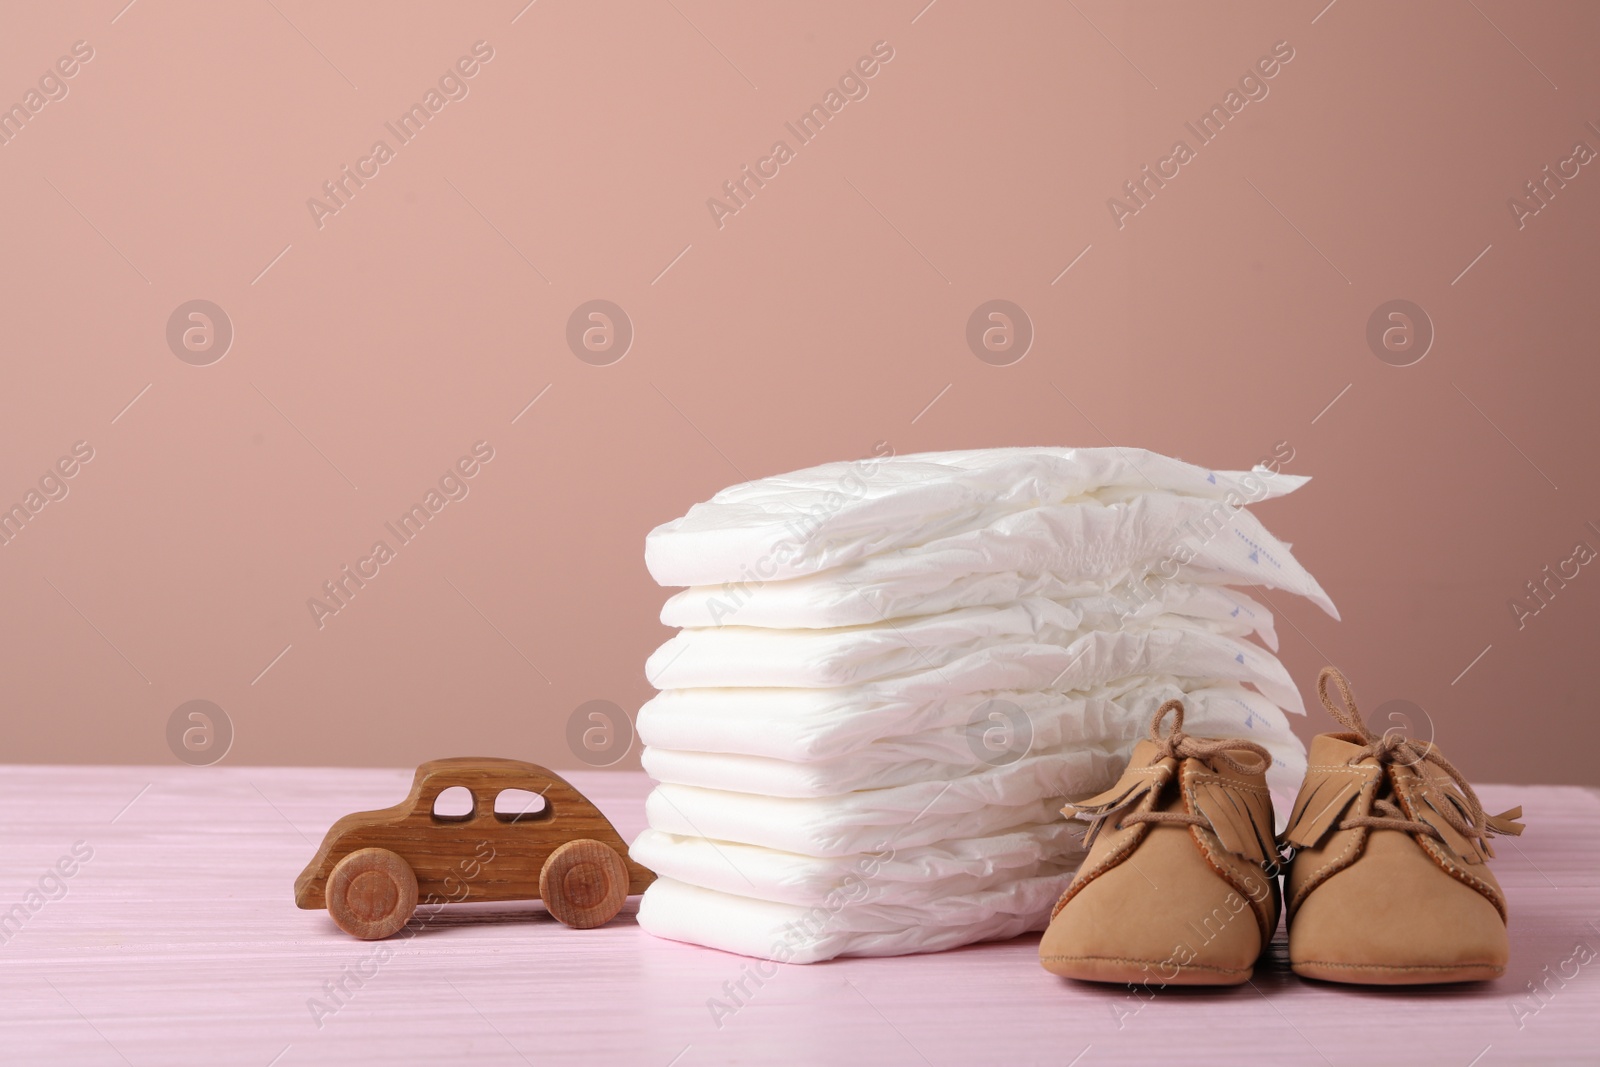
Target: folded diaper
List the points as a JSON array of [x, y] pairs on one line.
[[910, 815], [886, 874], [884, 659], [1048, 723], [923, 719], [889, 675], [1133, 550], [820, 724], [982, 801], [837, 513], [793, 933]]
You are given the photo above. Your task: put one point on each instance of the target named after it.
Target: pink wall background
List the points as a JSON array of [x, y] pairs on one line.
[[370, 352]]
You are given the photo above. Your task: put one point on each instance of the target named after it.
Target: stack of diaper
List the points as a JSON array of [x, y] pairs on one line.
[[890, 674]]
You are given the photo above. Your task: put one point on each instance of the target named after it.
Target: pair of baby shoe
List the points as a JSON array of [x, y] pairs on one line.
[[1387, 885]]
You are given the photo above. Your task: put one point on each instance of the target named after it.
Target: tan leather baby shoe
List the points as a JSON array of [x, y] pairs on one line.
[[1180, 886], [1389, 884]]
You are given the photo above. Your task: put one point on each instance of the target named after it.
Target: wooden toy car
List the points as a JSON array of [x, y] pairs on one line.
[[373, 865]]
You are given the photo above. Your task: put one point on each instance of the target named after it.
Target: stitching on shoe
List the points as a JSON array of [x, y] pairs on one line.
[[1131, 959], [1496, 967], [1262, 932], [1231, 783], [1336, 864], [1121, 851], [1210, 845], [1446, 861], [1484, 888], [1112, 859], [1339, 768]]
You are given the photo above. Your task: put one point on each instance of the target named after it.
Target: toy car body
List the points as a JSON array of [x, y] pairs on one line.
[[373, 865]]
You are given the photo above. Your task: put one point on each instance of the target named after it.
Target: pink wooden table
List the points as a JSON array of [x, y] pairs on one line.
[[177, 942]]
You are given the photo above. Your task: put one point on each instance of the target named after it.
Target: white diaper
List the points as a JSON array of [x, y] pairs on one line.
[[1030, 790], [973, 731], [791, 933], [895, 721], [903, 876], [826, 516], [884, 659], [1133, 550]]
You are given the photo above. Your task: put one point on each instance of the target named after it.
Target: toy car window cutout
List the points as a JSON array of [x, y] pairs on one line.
[[454, 804], [520, 805]]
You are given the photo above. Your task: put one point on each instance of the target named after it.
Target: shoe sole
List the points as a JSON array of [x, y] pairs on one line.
[[1396, 974], [1126, 971]]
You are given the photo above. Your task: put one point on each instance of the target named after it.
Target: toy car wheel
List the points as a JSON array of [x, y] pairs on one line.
[[584, 883], [372, 893]]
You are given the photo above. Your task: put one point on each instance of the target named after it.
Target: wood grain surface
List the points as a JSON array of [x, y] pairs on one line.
[[166, 934]]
